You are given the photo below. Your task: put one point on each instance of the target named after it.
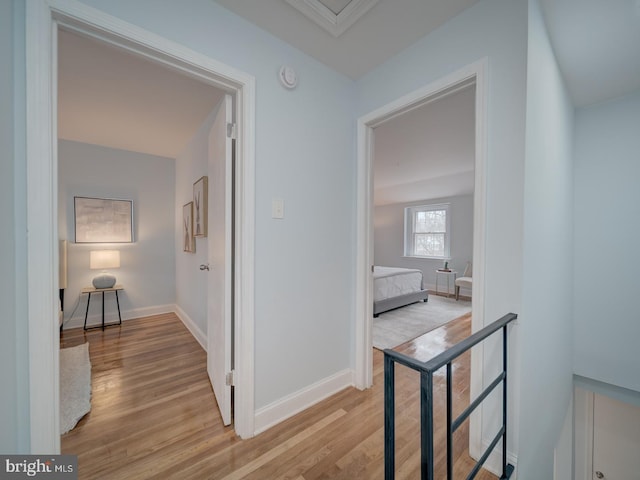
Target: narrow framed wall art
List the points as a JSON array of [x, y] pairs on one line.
[[188, 240], [200, 200]]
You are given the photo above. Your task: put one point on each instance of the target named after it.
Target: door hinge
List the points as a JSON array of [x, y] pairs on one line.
[[231, 130], [231, 378]]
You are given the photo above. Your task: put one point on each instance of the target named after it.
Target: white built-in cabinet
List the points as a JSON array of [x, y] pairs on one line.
[[607, 438]]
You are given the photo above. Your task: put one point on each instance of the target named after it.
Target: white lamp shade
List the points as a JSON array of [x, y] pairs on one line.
[[101, 259]]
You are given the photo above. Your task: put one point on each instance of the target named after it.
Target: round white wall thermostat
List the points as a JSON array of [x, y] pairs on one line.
[[288, 77]]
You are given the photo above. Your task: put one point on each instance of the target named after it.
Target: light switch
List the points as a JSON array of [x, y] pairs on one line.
[[277, 208]]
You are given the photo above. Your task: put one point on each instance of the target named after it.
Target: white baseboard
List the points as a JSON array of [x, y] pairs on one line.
[[494, 462], [442, 289], [95, 320], [200, 337], [278, 411]]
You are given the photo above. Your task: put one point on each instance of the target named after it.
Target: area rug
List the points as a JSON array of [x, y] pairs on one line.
[[75, 385], [398, 326]]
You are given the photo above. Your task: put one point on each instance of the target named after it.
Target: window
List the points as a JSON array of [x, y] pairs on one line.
[[427, 231]]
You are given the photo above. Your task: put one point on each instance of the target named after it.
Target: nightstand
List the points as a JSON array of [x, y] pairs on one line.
[[448, 274], [90, 291]]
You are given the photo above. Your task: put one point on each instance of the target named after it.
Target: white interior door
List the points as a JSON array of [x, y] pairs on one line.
[[616, 440], [220, 244]]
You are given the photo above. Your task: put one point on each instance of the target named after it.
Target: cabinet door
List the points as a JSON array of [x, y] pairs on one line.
[[616, 440]]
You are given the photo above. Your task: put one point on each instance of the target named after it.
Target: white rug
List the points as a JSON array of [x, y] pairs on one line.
[[75, 385], [398, 326]]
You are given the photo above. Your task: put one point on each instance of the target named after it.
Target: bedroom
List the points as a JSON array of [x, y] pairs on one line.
[[120, 138], [423, 160], [110, 146]]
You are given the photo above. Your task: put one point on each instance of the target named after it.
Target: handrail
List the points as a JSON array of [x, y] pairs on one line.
[[458, 349], [427, 370]]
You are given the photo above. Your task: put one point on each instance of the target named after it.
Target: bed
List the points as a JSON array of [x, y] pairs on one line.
[[396, 287]]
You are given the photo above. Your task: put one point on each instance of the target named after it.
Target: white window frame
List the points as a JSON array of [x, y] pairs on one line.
[[409, 222]]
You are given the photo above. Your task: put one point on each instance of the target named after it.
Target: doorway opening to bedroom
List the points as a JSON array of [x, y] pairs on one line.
[[408, 218], [132, 128], [423, 183], [44, 21]]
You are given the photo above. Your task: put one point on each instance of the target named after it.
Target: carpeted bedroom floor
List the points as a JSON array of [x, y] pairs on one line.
[[398, 326]]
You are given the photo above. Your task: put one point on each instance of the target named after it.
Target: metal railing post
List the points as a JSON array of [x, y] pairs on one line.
[[449, 424], [389, 418], [427, 370], [504, 402], [426, 422]]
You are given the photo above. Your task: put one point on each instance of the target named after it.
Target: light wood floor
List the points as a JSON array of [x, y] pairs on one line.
[[154, 416]]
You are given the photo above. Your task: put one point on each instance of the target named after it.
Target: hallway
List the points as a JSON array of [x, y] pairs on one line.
[[153, 415]]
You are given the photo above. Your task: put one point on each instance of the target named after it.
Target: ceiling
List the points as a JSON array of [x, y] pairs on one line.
[[112, 98], [115, 99], [335, 16], [336, 6], [387, 28], [428, 152], [596, 41], [597, 44]]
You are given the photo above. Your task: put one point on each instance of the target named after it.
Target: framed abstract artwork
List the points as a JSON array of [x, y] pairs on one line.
[[103, 220], [200, 200], [188, 240]]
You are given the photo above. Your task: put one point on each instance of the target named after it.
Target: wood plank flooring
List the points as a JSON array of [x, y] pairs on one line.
[[153, 415]]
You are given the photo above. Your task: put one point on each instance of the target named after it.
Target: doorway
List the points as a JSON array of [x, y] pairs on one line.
[[423, 177], [43, 19], [131, 128], [472, 74]]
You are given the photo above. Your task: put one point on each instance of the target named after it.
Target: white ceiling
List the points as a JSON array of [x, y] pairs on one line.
[[112, 98], [428, 152], [336, 6], [335, 16], [386, 29], [597, 44]]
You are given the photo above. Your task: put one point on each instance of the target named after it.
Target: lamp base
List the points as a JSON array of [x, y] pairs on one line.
[[104, 280]]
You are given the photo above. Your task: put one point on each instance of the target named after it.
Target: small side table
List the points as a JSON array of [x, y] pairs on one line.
[[90, 291], [448, 274]]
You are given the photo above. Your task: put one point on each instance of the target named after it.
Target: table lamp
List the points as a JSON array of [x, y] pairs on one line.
[[103, 259]]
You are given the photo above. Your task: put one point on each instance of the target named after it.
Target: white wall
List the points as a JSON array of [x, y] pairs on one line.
[[607, 239], [389, 239], [545, 320], [191, 283], [495, 29], [305, 155], [147, 266], [14, 375], [8, 379]]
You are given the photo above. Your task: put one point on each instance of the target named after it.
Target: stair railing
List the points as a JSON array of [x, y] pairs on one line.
[[427, 369]]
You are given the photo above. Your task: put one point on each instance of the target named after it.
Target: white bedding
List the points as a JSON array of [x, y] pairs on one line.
[[391, 282]]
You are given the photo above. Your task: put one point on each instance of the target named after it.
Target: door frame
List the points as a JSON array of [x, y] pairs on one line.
[[475, 72], [583, 404], [42, 21]]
